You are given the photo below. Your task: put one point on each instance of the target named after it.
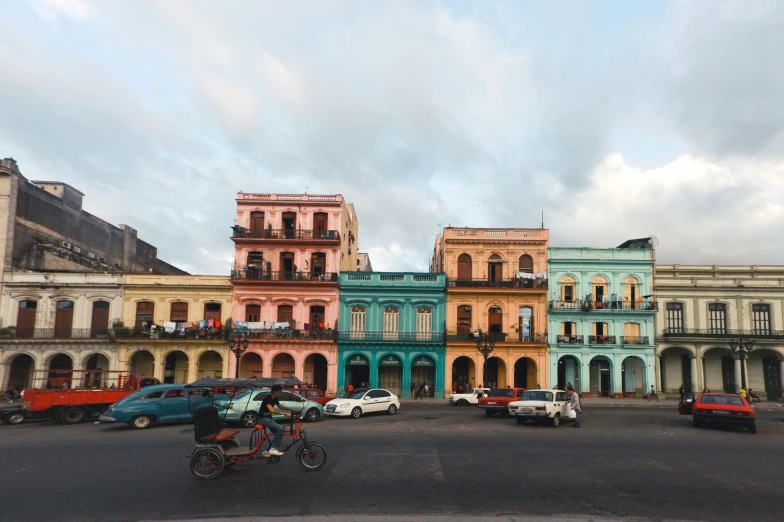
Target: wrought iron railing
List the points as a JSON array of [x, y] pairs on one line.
[[271, 233], [600, 306], [252, 274], [635, 339], [53, 333], [191, 334], [375, 335], [602, 339], [289, 333], [571, 339], [499, 283], [721, 333]]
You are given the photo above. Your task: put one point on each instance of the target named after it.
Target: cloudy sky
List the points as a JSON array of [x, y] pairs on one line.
[[617, 119]]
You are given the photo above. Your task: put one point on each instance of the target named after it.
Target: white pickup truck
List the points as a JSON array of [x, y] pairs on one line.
[[542, 405], [472, 397]]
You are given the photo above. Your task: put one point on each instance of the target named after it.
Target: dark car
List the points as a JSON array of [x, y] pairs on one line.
[[720, 409], [12, 412]]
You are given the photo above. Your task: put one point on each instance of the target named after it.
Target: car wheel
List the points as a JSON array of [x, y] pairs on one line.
[[356, 412], [556, 420], [249, 419], [753, 428], [521, 420], [489, 413], [17, 417], [72, 416], [143, 422], [462, 402], [312, 415], [392, 409], [696, 422]]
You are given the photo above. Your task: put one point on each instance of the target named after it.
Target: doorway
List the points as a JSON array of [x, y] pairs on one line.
[[494, 268], [289, 222], [316, 318], [287, 266], [357, 371], [464, 267], [63, 319], [320, 224], [463, 320], [25, 319], [771, 371], [390, 373], [600, 377], [728, 374], [495, 320]]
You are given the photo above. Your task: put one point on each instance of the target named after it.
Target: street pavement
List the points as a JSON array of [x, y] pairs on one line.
[[426, 462]]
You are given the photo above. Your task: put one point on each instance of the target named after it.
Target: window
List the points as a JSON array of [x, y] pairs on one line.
[[675, 317], [285, 313], [357, 324], [464, 267], [463, 319], [717, 317], [561, 396], [256, 221], [154, 395], [179, 312], [520, 393], [599, 290], [631, 292], [391, 322], [382, 393], [526, 264], [424, 323], [287, 396], [761, 318], [568, 328], [252, 313], [631, 333], [25, 318], [600, 329], [568, 286], [63, 319], [144, 312], [495, 268], [255, 258], [212, 311], [526, 322], [174, 394], [261, 396]]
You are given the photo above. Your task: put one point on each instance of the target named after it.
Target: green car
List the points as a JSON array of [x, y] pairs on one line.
[[244, 408]]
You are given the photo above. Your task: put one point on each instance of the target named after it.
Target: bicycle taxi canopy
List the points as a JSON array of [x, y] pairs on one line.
[[249, 382]]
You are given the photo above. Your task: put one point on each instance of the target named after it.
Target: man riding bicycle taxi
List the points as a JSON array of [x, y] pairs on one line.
[[268, 408]]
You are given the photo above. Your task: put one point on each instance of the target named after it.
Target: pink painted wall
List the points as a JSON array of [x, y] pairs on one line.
[[299, 296], [301, 255]]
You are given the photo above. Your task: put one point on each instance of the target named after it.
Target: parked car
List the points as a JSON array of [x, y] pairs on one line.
[[466, 398], [542, 405], [727, 409], [244, 408], [12, 412], [497, 401], [313, 394], [158, 404], [359, 402]]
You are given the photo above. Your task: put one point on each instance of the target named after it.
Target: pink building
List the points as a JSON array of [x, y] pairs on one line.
[[288, 252]]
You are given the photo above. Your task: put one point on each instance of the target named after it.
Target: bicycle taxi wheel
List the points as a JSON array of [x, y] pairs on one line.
[[312, 456], [207, 463]]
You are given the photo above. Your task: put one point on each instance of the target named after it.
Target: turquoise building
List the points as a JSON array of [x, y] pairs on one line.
[[601, 336], [391, 330]]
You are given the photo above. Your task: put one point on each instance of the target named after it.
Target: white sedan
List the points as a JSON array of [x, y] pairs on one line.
[[359, 402], [464, 399], [542, 405]]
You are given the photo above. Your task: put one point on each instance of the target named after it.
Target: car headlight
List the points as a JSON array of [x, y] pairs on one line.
[[344, 405]]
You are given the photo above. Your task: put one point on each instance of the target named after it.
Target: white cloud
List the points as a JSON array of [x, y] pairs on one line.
[[78, 10]]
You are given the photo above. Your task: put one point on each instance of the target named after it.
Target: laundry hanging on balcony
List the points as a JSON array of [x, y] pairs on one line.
[[526, 275]]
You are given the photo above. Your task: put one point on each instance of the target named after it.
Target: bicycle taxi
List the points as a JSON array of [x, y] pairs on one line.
[[218, 447]]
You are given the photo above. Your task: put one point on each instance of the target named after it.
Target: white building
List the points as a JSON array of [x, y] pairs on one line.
[[703, 309]]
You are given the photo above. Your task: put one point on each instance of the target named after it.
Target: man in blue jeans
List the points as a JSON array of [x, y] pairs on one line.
[[268, 406]]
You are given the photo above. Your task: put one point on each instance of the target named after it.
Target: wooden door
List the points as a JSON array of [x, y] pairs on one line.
[[285, 314], [25, 319], [212, 311], [289, 221], [256, 222], [252, 313], [316, 318], [320, 223], [99, 322], [495, 320], [179, 312], [464, 271], [464, 320], [144, 313], [63, 319]]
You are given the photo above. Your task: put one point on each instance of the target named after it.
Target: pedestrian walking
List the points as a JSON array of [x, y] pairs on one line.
[[427, 390], [574, 403], [652, 394], [682, 393]]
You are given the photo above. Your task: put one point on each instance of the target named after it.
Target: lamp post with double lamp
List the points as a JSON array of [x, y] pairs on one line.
[[485, 344], [741, 348], [238, 344]]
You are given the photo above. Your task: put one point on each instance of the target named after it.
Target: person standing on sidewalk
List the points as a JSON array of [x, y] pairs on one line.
[[682, 392], [574, 403]]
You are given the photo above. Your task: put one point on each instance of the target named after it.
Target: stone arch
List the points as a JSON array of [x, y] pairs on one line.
[[209, 364], [495, 372], [282, 363], [141, 363], [20, 370], [634, 378], [176, 367], [316, 370], [601, 376], [525, 373], [251, 364], [463, 371]]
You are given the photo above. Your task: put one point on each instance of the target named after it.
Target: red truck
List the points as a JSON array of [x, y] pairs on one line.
[[497, 401], [71, 396]]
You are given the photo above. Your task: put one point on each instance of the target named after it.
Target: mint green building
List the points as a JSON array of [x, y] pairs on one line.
[[391, 330], [601, 336]]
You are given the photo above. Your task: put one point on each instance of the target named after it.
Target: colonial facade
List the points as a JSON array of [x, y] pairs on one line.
[[704, 311], [601, 319], [289, 250], [496, 283], [53, 323], [173, 327], [391, 330]]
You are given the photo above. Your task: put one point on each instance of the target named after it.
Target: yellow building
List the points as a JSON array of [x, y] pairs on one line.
[[173, 327]]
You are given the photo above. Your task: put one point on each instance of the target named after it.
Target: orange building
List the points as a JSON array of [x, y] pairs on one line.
[[496, 283]]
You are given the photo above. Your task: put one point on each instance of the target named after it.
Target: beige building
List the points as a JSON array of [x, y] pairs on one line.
[[56, 321], [703, 311], [173, 327]]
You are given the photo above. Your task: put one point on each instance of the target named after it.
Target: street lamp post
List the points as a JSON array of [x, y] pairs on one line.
[[238, 344], [485, 344], [741, 348]]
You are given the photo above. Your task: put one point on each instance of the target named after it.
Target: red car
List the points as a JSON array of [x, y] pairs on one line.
[[719, 408], [313, 394], [497, 401]]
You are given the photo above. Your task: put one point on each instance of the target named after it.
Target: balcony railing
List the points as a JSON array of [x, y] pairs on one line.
[[535, 284], [320, 334], [252, 274], [498, 337], [715, 333], [571, 339], [608, 306], [271, 233], [602, 339], [635, 339], [374, 335], [53, 333], [190, 334]]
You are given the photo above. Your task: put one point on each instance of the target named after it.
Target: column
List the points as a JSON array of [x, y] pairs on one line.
[[405, 385], [585, 380], [694, 383], [373, 360], [193, 366], [299, 365], [745, 368], [158, 366], [737, 375], [616, 383], [340, 377], [447, 377], [781, 373], [3, 377], [657, 370], [227, 364]]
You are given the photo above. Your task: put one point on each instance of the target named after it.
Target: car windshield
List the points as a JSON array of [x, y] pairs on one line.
[[724, 400], [537, 396], [502, 393], [357, 394]]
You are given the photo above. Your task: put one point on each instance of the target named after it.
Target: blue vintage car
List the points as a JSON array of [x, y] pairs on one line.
[[158, 404]]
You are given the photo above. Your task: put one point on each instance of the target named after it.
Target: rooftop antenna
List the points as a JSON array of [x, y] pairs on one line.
[[542, 219], [306, 190]]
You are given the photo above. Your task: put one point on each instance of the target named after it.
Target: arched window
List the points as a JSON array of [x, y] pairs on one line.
[[526, 264], [631, 292], [357, 325], [391, 322], [179, 312], [424, 323], [495, 268], [526, 326], [599, 291], [464, 267], [568, 289]]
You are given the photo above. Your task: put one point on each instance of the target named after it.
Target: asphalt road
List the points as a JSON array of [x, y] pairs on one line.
[[439, 460]]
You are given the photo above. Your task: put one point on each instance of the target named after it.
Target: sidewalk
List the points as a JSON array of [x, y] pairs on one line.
[[603, 402]]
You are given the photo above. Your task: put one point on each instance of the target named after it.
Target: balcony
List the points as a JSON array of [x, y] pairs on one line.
[[253, 274], [571, 339], [374, 335], [759, 335], [158, 332], [53, 333], [392, 279], [497, 337], [601, 339], [530, 284], [285, 234], [274, 334], [605, 306], [642, 340]]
